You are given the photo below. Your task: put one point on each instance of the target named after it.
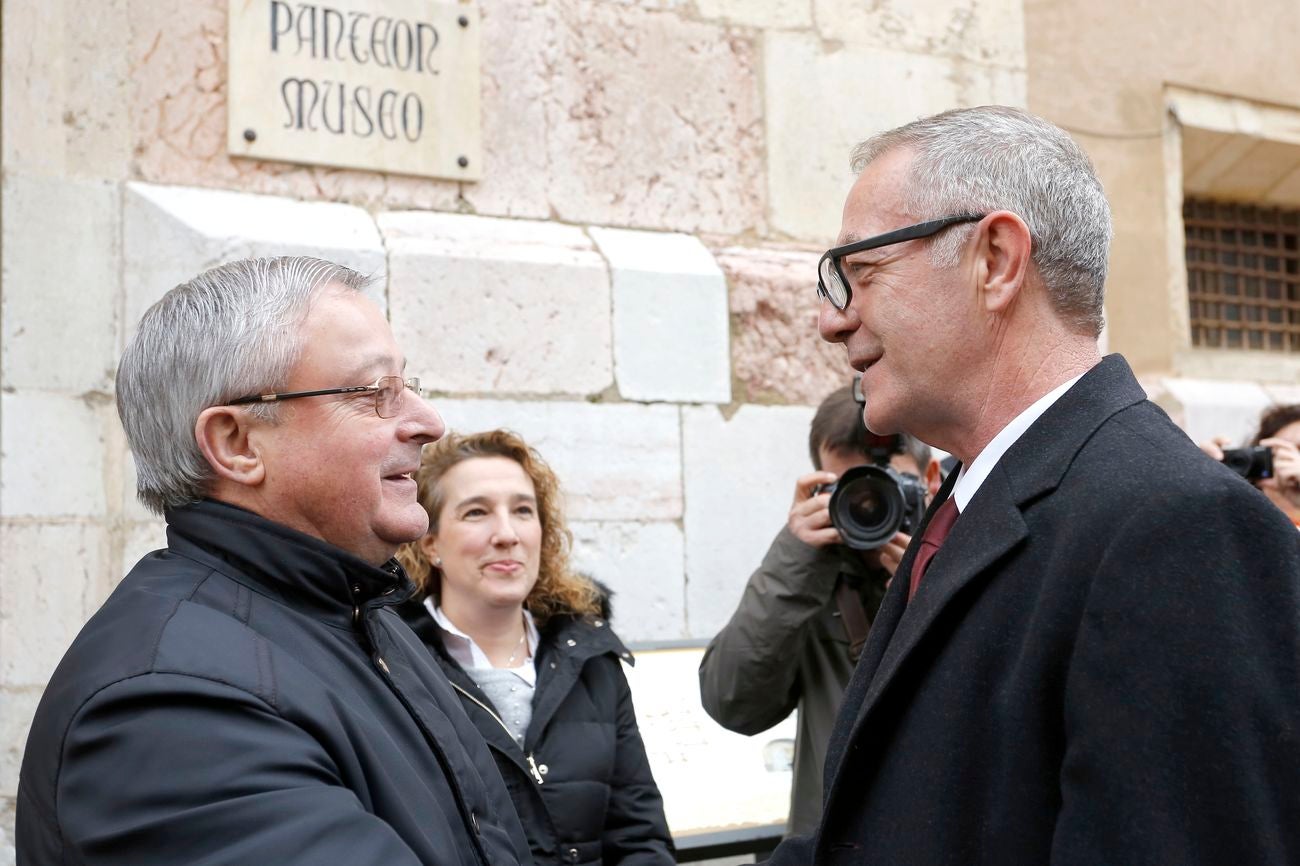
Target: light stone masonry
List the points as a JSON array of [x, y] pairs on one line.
[[60, 275], [790, 14], [171, 234], [1206, 408], [740, 475], [53, 580], [615, 462], [492, 305], [670, 317], [52, 455], [777, 354], [986, 31], [828, 102], [644, 564]]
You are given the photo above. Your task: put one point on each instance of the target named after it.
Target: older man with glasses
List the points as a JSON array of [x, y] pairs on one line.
[[1090, 652], [248, 695]]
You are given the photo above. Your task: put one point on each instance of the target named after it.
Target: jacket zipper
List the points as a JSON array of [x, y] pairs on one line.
[[532, 765]]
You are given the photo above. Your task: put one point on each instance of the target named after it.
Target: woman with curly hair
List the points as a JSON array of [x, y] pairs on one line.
[[527, 645]]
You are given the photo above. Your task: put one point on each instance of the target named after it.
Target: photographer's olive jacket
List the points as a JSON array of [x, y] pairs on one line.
[[786, 647], [249, 696], [1101, 665]]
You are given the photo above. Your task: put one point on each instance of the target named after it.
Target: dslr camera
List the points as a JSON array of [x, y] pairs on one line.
[[871, 503], [1250, 463]]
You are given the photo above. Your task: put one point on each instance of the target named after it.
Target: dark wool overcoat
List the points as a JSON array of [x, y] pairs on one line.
[[1101, 665], [249, 695], [581, 782]]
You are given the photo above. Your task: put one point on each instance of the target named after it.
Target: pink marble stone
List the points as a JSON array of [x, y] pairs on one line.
[[777, 355]]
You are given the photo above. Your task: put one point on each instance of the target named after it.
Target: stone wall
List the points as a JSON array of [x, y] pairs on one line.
[[630, 285]]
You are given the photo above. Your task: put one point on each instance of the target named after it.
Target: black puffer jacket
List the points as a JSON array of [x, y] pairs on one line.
[[249, 695], [582, 784]]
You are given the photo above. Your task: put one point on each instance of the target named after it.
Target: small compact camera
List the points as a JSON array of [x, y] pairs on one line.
[[1250, 463], [871, 503]]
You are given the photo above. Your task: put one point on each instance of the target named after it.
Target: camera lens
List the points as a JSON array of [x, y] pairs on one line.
[[867, 507]]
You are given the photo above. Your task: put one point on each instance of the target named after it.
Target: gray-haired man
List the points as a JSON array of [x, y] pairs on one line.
[[247, 695], [1089, 653]]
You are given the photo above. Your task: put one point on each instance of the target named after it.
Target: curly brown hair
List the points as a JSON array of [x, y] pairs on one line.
[[559, 590], [1274, 419]]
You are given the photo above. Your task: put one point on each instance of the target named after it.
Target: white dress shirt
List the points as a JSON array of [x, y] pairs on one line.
[[971, 477], [468, 655]]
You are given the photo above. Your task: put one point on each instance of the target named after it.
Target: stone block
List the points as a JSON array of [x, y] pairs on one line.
[[777, 354], [644, 564], [739, 475], [59, 310], [670, 317], [65, 75], [51, 584], [483, 304], [17, 708], [652, 120], [171, 234], [774, 13], [52, 455], [1206, 408], [985, 31], [138, 539], [615, 462], [829, 101]]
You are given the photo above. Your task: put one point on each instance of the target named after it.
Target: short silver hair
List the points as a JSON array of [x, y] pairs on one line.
[[978, 160], [231, 331]]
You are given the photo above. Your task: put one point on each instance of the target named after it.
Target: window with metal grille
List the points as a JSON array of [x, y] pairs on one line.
[[1243, 275]]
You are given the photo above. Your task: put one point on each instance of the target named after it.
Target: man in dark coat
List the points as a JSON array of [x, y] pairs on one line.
[[1099, 660], [250, 694]]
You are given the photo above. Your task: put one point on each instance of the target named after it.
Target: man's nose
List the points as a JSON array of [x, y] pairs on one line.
[[836, 325], [422, 424]]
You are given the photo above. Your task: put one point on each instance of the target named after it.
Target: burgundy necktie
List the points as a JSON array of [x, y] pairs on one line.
[[935, 533]]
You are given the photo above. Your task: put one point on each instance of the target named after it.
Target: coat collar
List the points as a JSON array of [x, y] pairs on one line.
[[992, 525], [304, 572]]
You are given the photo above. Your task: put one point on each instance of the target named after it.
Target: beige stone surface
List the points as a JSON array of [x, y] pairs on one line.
[[53, 580], [52, 455], [829, 101], [17, 707], [989, 31], [777, 356], [653, 121], [769, 13], [66, 84]]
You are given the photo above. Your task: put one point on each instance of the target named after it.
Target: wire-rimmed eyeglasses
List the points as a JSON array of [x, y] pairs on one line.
[[835, 287], [387, 390]]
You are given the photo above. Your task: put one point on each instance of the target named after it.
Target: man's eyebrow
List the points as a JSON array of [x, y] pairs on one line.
[[375, 366], [849, 238]]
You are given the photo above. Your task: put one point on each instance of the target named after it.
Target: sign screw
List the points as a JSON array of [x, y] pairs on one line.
[[250, 135], [463, 21], [463, 162]]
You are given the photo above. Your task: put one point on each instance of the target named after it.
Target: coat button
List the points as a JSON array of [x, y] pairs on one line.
[[543, 769], [571, 855], [600, 623], [572, 642]]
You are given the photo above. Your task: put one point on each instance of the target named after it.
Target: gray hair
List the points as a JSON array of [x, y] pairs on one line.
[[978, 160], [229, 332]]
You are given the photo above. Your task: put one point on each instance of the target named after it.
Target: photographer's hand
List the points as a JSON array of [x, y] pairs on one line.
[[1214, 447], [892, 553], [1286, 468], [810, 516]]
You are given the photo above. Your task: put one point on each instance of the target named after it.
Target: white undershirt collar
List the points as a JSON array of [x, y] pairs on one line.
[[470, 656], [971, 477]]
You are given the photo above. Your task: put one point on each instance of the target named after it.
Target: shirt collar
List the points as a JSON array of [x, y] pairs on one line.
[[971, 477], [462, 648]]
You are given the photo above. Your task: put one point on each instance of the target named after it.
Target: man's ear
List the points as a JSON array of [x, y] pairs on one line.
[[223, 436], [933, 477], [1003, 259]]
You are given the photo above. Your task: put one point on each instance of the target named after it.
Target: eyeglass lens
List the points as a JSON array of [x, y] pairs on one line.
[[388, 395], [834, 286]]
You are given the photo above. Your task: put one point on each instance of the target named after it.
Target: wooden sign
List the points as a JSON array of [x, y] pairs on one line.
[[384, 85]]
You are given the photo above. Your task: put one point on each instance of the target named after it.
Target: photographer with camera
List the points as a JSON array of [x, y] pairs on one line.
[[805, 613], [1272, 460]]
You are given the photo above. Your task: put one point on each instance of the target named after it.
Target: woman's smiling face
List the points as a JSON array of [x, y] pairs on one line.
[[489, 535]]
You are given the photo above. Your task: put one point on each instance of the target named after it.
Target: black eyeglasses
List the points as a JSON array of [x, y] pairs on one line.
[[834, 286], [388, 392]]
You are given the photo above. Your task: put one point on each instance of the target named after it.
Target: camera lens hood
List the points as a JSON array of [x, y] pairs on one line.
[[867, 507]]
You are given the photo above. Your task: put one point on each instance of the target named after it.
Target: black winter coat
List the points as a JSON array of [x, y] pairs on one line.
[[249, 695], [582, 784]]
